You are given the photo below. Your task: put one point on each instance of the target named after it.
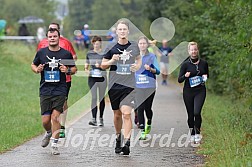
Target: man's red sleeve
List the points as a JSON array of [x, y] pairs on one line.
[[42, 44]]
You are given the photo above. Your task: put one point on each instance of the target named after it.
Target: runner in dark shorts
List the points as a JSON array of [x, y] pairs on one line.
[[53, 63], [67, 45], [123, 58]]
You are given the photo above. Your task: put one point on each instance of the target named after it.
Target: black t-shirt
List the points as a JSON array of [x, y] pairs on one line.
[[93, 58], [120, 76], [53, 82], [196, 70], [164, 57]]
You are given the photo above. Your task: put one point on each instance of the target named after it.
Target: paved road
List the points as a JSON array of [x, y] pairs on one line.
[[166, 145]]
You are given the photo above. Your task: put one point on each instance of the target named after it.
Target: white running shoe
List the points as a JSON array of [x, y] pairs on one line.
[[46, 139], [198, 138], [55, 149], [101, 122], [192, 139], [93, 122]]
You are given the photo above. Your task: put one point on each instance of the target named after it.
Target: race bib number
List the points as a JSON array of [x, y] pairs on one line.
[[96, 73], [142, 79], [52, 76], [195, 81], [123, 69]]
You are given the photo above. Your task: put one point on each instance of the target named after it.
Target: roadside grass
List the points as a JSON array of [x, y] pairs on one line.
[[227, 132], [20, 118]]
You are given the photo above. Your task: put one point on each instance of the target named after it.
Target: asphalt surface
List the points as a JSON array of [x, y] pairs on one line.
[[84, 145]]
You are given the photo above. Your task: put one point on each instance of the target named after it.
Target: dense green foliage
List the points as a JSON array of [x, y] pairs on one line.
[[222, 29], [102, 15]]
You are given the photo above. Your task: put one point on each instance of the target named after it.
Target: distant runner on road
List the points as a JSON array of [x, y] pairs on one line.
[[97, 80]]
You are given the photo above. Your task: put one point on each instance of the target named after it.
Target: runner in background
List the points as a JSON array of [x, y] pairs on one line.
[[97, 80], [111, 36], [164, 60], [194, 73], [146, 86], [86, 35]]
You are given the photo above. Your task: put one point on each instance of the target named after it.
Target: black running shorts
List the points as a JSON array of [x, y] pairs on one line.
[[119, 97], [50, 103]]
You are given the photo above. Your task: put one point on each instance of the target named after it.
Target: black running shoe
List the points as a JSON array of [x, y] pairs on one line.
[[126, 148], [118, 148]]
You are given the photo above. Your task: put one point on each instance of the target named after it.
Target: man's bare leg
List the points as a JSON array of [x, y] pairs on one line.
[[55, 118], [127, 124], [118, 128], [63, 117]]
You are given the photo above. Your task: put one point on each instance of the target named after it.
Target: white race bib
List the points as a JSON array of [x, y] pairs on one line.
[[142, 79], [96, 73]]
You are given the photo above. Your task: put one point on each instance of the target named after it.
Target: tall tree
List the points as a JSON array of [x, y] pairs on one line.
[[134, 11], [106, 13], [80, 13], [223, 31], [13, 10]]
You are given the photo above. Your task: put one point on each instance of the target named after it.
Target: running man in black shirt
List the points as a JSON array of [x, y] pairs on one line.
[[124, 60], [53, 63]]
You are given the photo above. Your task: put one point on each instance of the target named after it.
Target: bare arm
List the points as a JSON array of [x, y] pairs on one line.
[[158, 53], [137, 65], [152, 70], [37, 69], [68, 70], [86, 66], [106, 63], [72, 70], [75, 57], [138, 62]]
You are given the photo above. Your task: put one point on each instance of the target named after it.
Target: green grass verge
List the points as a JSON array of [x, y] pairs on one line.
[[227, 133], [20, 118]]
